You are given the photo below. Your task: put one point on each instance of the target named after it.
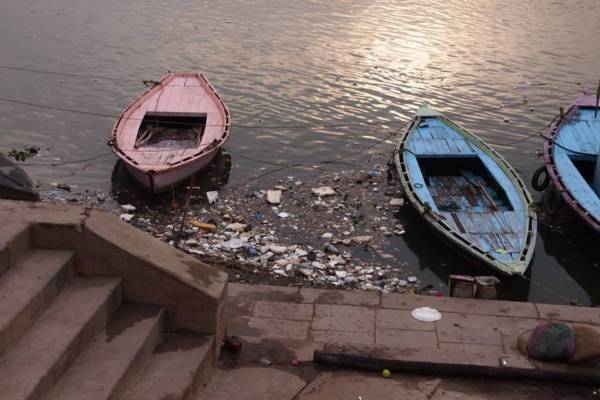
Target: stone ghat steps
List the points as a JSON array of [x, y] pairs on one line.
[[64, 336]]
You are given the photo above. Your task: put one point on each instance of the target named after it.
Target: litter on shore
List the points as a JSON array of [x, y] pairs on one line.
[[333, 232]]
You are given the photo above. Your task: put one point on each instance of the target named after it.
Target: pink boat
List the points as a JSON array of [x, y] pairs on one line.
[[173, 130]]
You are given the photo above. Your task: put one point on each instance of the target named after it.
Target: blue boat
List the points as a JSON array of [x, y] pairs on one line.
[[467, 192], [572, 154]]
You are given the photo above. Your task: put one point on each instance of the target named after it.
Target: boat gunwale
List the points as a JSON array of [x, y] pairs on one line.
[[527, 251], [123, 154], [551, 136]]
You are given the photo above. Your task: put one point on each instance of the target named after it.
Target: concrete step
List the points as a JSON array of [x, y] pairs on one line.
[[114, 357], [177, 368], [31, 367], [15, 239], [27, 288]]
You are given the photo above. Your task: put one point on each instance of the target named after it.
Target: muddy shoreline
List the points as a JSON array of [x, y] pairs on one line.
[[333, 240], [340, 239]]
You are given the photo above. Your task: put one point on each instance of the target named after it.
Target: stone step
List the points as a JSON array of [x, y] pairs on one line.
[[15, 239], [179, 365], [114, 357], [31, 367], [27, 288]]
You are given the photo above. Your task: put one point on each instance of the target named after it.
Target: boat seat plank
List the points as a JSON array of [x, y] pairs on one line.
[[416, 177], [503, 180], [584, 132], [442, 147], [574, 182], [588, 126], [422, 133], [581, 133], [439, 132]]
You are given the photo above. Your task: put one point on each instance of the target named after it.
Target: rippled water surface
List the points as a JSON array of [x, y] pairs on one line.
[[502, 69]]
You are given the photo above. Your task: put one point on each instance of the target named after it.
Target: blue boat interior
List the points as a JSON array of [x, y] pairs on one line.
[[467, 188], [462, 184], [577, 158]]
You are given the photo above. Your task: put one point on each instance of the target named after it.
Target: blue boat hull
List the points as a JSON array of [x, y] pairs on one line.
[[572, 154], [467, 192]]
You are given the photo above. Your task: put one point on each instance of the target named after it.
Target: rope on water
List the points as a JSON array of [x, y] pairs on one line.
[[58, 164], [70, 74]]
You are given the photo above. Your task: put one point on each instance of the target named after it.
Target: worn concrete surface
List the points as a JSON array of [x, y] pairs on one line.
[[253, 383], [342, 385], [287, 324], [344, 317]]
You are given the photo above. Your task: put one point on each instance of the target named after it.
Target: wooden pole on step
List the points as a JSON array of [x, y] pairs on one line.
[[185, 209]]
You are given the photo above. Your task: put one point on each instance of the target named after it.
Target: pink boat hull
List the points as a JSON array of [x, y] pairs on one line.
[[161, 181], [160, 167]]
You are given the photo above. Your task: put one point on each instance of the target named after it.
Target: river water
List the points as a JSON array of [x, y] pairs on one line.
[[500, 68]]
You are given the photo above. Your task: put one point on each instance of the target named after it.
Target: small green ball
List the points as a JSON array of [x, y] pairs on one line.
[[386, 373]]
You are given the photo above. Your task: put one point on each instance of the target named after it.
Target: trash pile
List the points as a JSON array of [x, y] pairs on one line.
[[327, 233]]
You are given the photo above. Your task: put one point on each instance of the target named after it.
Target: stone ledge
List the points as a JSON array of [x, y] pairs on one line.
[[452, 361], [193, 293]]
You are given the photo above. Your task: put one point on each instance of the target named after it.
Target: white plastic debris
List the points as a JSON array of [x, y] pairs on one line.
[[283, 214], [274, 196], [282, 262], [306, 272], [323, 191], [426, 314], [127, 208], [236, 226], [341, 274], [361, 239], [396, 202], [212, 197], [327, 235], [277, 249], [126, 217], [300, 253], [234, 244], [267, 256]]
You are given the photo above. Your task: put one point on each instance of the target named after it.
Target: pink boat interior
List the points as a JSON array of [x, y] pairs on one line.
[[178, 120]]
